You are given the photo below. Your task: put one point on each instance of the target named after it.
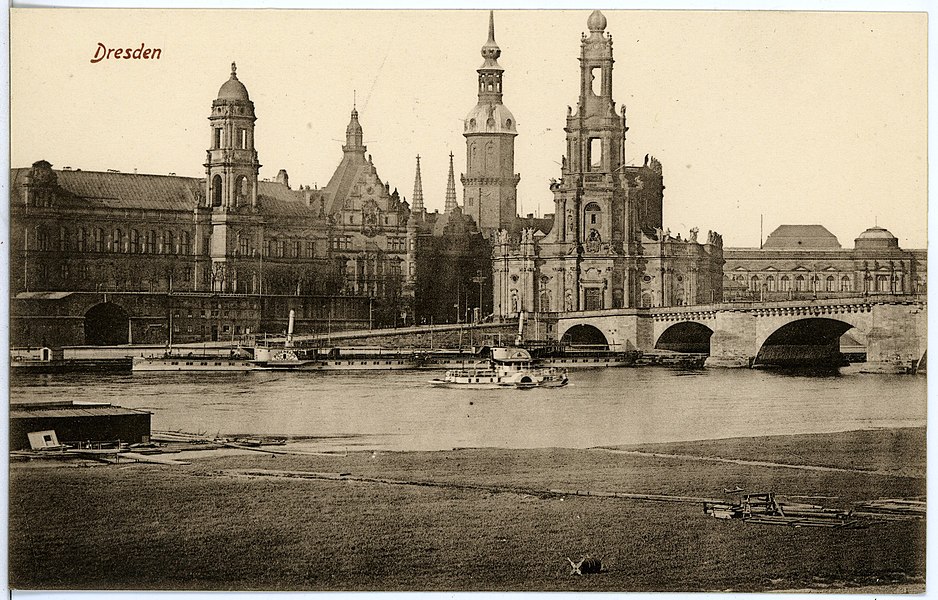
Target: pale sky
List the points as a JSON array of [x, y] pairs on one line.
[[800, 117]]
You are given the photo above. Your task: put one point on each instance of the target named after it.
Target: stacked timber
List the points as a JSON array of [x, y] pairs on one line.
[[891, 509], [765, 509]]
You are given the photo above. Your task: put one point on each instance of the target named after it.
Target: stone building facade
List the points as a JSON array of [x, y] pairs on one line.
[[807, 261], [607, 247], [160, 257]]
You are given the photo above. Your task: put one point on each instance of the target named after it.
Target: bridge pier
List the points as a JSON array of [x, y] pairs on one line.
[[733, 343], [898, 334]]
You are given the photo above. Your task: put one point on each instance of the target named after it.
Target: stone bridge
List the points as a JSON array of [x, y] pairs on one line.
[[792, 332]]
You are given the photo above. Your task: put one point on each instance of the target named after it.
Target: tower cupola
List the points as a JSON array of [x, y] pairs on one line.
[[353, 135], [231, 165]]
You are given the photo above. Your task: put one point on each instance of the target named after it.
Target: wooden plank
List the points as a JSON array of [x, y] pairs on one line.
[[150, 458]]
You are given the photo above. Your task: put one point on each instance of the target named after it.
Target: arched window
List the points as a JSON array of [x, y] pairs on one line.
[[63, 239], [216, 190], [831, 282], [595, 154], [592, 215], [241, 190], [754, 283], [882, 283], [134, 241], [815, 283], [98, 239], [867, 283], [152, 243], [82, 239], [770, 283], [117, 241], [799, 283], [185, 244], [168, 242], [784, 284], [845, 285], [243, 243]]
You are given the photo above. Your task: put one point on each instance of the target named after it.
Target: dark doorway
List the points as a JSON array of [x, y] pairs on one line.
[[585, 335], [214, 333], [106, 324], [686, 337]]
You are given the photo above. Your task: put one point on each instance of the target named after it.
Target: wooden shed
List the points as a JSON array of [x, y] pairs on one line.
[[77, 422]]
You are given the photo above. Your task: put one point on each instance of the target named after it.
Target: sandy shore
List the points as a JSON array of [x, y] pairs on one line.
[[470, 519]]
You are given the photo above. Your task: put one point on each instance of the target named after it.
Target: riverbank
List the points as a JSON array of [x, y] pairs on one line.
[[470, 519]]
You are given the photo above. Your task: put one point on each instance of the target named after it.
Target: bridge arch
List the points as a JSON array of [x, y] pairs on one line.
[[585, 335], [106, 324], [813, 341], [687, 336]]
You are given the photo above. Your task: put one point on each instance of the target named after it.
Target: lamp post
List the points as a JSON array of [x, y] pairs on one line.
[[480, 280], [260, 270]]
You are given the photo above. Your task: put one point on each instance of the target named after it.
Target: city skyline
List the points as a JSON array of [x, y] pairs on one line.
[[779, 115]]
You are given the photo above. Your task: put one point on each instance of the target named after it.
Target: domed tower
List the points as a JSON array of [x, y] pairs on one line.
[[490, 183], [231, 169], [231, 165], [595, 212]]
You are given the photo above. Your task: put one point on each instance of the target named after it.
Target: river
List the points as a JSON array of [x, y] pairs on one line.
[[400, 411]]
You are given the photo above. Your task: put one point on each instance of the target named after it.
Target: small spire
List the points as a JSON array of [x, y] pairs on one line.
[[450, 205], [490, 50], [418, 190], [354, 99], [234, 70], [353, 135]]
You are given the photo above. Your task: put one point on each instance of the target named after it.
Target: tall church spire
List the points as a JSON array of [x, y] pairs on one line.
[[490, 73], [490, 183], [450, 188], [418, 190]]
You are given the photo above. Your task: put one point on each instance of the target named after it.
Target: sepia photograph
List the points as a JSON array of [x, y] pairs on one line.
[[501, 300]]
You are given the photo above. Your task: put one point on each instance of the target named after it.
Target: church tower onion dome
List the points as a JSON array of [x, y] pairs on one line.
[[597, 22], [233, 89], [489, 115], [490, 118]]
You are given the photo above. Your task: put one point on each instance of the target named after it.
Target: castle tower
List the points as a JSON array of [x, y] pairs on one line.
[[450, 205], [490, 183], [231, 164], [594, 209], [231, 169], [418, 191]]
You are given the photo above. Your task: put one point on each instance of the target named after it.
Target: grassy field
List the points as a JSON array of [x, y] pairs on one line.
[[195, 527]]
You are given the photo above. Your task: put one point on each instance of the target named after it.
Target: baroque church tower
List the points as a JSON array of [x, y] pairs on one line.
[[595, 214], [231, 169], [490, 183]]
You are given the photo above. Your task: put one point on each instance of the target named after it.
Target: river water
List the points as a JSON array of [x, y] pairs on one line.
[[401, 411]]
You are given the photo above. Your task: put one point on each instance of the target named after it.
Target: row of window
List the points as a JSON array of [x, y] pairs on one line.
[[99, 240], [881, 283], [241, 138], [278, 248], [83, 272]]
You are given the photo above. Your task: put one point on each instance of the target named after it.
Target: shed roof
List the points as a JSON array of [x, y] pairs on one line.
[[32, 410]]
